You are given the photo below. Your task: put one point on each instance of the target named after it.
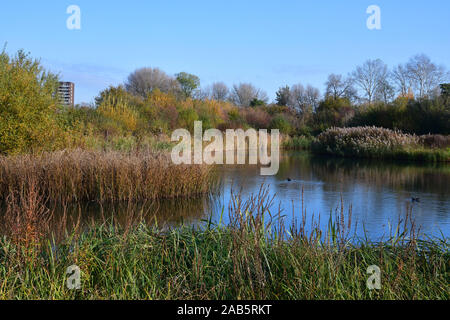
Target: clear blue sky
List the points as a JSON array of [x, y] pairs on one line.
[[268, 43]]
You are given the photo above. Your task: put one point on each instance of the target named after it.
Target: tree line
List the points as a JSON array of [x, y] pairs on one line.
[[152, 104], [371, 82]]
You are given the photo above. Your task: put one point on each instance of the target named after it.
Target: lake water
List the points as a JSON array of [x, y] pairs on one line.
[[378, 192]]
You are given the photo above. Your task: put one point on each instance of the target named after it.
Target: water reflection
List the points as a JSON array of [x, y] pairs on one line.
[[378, 193], [162, 213]]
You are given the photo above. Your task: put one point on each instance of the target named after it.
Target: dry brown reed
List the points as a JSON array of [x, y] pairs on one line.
[[26, 218], [79, 175]]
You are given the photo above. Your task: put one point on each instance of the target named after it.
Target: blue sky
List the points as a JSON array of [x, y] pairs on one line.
[[268, 43]]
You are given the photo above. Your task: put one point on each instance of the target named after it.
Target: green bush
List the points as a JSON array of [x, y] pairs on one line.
[[186, 118], [298, 143], [28, 106], [416, 117], [281, 123]]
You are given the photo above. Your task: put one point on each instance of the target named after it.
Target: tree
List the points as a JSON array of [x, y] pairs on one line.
[[338, 87], [281, 123], [426, 75], [256, 103], [333, 113], [144, 81], [219, 91], [283, 96], [402, 79], [445, 90], [113, 96], [369, 76], [385, 91], [312, 96], [304, 100], [445, 93], [244, 93], [28, 105], [188, 82]]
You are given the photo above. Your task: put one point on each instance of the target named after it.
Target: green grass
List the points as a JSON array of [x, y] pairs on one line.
[[424, 155], [243, 260], [297, 143]]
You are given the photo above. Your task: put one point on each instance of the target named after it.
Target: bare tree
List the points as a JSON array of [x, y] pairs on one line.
[[369, 76], [385, 91], [298, 100], [312, 96], [339, 87], [304, 99], [402, 79], [143, 81], [426, 75], [202, 94], [244, 93], [219, 91]]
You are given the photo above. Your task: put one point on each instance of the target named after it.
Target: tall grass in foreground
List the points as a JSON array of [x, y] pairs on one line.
[[79, 175], [255, 257]]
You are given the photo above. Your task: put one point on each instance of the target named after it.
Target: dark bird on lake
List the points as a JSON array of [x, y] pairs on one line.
[[289, 179], [415, 199]]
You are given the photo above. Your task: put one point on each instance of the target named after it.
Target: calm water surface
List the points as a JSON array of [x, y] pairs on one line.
[[378, 193]]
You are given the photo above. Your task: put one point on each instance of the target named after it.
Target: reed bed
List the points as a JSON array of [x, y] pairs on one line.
[[380, 143], [79, 175], [254, 257]]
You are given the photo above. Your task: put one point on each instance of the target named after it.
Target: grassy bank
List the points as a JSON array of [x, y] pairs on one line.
[[379, 143], [297, 143], [245, 260]]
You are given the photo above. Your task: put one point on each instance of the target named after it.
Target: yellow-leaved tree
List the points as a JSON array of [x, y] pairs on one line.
[[28, 106]]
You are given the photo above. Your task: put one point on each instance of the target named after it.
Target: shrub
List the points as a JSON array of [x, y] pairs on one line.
[[281, 123], [186, 119], [256, 118], [415, 117], [363, 141], [28, 106], [436, 141], [375, 142], [332, 113]]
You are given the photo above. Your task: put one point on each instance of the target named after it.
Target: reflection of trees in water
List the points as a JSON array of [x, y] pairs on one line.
[[165, 213], [341, 174], [379, 191], [324, 178]]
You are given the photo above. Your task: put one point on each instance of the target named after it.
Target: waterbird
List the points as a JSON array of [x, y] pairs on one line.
[[289, 179], [415, 199]]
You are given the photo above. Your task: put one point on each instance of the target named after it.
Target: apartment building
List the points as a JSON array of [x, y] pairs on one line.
[[66, 93]]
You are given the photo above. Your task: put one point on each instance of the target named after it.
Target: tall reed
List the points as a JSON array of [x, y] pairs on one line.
[[380, 143], [255, 257], [79, 175]]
